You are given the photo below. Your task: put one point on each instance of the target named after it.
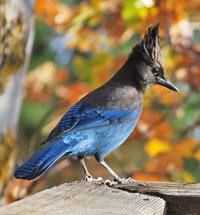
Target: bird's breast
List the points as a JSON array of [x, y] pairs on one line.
[[104, 139]]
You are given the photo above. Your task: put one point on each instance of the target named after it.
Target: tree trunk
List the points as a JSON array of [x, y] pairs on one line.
[[16, 40]]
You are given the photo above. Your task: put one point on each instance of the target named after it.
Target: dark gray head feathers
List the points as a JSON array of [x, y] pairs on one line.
[[149, 47]]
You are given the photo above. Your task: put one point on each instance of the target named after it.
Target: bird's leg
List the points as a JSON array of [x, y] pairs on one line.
[[118, 180], [88, 176]]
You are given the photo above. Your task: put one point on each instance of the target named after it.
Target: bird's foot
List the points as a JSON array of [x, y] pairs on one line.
[[89, 178], [120, 181], [110, 183], [127, 181]]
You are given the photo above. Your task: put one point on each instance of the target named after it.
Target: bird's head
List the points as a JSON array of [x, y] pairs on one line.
[[148, 60]]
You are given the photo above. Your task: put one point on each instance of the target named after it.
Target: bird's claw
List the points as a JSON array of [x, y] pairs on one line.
[[110, 183], [127, 181], [89, 178], [121, 181]]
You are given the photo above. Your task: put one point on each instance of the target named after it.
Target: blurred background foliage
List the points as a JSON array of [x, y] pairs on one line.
[[78, 46]]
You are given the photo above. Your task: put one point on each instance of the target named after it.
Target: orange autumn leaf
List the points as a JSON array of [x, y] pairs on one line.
[[162, 130], [186, 147], [48, 8], [141, 176], [150, 117], [151, 166]]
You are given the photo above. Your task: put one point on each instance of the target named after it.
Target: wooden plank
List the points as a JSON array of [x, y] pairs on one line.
[[86, 198], [181, 198]]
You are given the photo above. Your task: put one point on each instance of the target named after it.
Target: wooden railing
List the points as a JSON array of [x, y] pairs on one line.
[[140, 198]]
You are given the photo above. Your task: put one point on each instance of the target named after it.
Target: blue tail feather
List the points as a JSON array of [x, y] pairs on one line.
[[42, 160]]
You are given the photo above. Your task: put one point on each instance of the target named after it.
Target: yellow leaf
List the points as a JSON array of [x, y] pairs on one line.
[[156, 146], [188, 178]]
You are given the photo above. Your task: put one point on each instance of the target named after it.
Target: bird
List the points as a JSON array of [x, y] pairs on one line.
[[102, 120]]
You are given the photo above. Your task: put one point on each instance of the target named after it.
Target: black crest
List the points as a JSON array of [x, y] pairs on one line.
[[149, 47]]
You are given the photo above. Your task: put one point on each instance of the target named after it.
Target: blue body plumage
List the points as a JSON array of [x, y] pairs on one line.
[[103, 120]]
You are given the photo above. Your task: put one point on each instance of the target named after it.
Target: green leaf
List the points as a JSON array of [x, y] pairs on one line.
[[129, 11], [191, 113], [32, 113], [196, 35], [192, 165]]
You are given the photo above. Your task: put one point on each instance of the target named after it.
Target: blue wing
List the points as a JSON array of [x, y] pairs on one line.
[[77, 118], [81, 117], [41, 161]]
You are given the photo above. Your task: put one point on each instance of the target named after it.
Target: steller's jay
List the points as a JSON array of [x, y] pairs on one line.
[[101, 121]]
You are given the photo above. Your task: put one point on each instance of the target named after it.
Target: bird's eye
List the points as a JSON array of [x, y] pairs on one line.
[[156, 71]]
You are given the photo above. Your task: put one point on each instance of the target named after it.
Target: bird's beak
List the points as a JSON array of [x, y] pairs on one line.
[[166, 83]]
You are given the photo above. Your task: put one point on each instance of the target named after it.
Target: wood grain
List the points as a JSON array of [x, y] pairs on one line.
[[139, 198], [181, 198], [86, 198]]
